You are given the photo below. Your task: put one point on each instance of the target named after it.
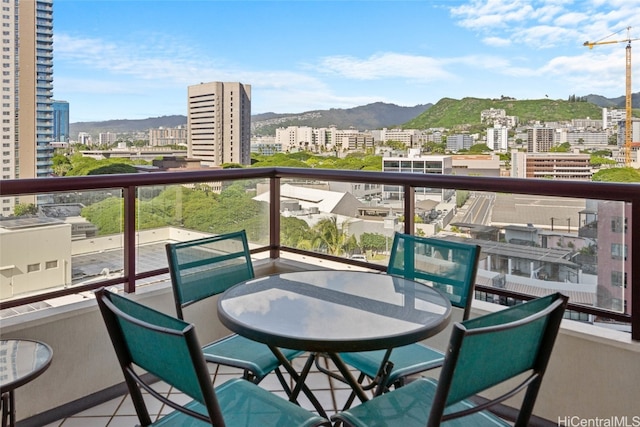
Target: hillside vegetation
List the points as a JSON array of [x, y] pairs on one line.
[[366, 117], [455, 114]]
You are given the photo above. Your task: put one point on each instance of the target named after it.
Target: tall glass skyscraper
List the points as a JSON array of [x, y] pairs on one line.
[[27, 88], [60, 121]]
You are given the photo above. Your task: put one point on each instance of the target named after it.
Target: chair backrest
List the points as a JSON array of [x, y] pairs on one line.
[[163, 346], [488, 350], [448, 266], [205, 267]]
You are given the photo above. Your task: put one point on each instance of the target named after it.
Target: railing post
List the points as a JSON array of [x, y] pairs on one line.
[[274, 217], [409, 209], [635, 269], [129, 195]]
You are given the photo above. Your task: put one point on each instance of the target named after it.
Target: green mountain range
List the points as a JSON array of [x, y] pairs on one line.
[[447, 113], [465, 113]]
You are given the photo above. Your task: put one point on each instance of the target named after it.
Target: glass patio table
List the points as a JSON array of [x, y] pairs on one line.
[[333, 311], [21, 361]]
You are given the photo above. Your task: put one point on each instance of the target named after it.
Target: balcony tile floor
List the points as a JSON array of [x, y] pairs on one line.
[[119, 412]]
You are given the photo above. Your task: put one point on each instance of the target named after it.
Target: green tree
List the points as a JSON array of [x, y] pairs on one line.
[[599, 161], [330, 237], [293, 231], [373, 241], [111, 169], [479, 148], [106, 215], [565, 147], [626, 174], [21, 209], [61, 164]]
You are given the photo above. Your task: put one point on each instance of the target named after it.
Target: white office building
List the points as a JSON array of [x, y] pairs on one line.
[[415, 163]]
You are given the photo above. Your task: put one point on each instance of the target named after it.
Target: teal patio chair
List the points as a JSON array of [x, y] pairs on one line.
[[482, 353], [448, 266], [168, 349], [206, 267]]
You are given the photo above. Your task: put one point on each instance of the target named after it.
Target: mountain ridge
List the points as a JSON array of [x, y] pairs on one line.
[[367, 117]]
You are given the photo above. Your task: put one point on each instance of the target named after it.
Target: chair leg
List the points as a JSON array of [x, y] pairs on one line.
[[352, 396], [283, 381]]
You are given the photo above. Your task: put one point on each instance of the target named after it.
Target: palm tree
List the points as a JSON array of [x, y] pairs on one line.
[[331, 237]]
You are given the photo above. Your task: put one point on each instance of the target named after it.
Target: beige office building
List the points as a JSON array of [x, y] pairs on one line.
[[27, 90], [219, 123]]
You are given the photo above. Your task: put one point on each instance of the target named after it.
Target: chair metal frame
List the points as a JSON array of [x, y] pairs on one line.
[[184, 299], [386, 376], [135, 342], [111, 315], [514, 319]]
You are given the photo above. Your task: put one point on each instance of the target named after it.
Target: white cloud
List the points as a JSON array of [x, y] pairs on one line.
[[385, 65], [479, 14], [496, 41]]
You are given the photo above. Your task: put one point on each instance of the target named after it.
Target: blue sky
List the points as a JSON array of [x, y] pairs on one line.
[[134, 59]]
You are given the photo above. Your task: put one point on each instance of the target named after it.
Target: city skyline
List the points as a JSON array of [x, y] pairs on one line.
[[135, 59]]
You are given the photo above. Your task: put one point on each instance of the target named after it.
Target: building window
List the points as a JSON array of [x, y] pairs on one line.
[[619, 225], [619, 279], [31, 268], [618, 251], [51, 264]]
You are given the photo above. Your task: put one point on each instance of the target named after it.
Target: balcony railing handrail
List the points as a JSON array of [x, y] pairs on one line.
[[626, 192]]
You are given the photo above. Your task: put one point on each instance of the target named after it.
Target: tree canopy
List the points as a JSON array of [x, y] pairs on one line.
[[617, 175]]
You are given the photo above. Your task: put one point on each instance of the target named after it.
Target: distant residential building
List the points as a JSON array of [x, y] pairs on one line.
[[572, 166], [614, 256], [324, 138], [476, 165], [582, 137], [611, 117], [435, 137], [540, 140], [409, 137], [60, 121], [635, 137], [587, 124], [498, 138], [415, 163], [354, 140], [107, 138], [295, 138], [498, 117], [219, 123], [84, 138], [265, 148], [265, 145], [168, 136], [459, 142]]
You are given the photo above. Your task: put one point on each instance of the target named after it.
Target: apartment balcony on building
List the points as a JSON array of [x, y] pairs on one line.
[[537, 237]]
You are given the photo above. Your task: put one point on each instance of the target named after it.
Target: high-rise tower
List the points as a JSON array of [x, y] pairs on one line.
[[27, 89], [219, 123], [60, 121]]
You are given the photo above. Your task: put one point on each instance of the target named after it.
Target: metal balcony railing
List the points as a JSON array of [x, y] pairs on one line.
[[129, 184]]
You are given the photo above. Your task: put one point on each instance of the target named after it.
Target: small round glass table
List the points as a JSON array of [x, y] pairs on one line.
[[20, 362]]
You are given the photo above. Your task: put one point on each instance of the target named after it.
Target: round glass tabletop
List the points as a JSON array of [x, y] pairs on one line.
[[334, 311], [21, 361]]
